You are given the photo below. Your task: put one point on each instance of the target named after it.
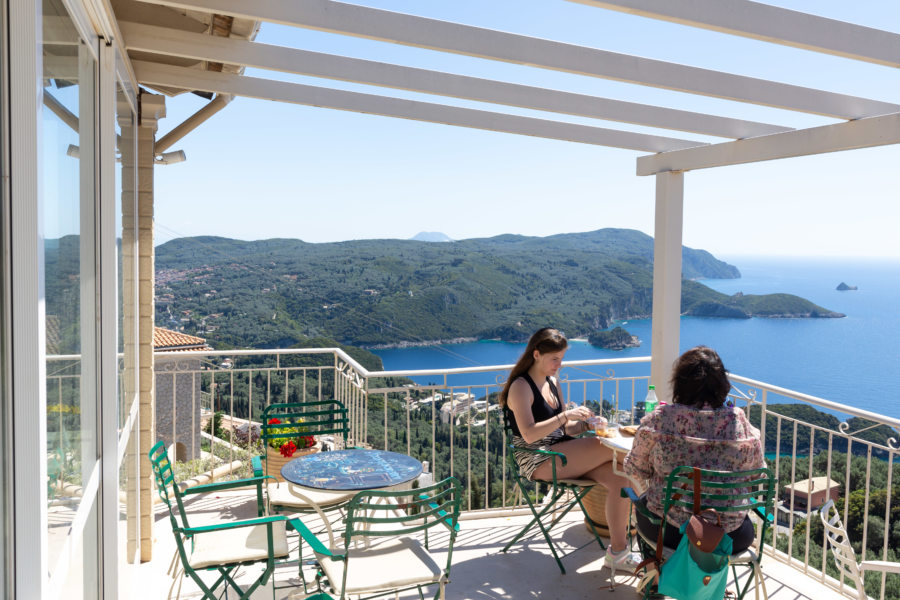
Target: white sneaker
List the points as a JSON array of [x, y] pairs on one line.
[[624, 560]]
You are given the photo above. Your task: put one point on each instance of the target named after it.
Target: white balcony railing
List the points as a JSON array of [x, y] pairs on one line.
[[452, 421]]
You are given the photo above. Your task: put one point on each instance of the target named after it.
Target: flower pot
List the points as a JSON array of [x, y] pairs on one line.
[[595, 507], [274, 459]]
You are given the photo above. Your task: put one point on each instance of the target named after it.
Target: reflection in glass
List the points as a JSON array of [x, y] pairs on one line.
[[67, 188]]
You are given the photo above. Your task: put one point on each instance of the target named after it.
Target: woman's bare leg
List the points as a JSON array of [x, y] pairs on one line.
[[589, 458]]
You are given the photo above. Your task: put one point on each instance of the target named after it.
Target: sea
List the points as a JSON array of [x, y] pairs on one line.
[[852, 360]]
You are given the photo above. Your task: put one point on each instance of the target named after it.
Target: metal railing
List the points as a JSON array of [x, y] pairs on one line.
[[838, 452], [450, 418]]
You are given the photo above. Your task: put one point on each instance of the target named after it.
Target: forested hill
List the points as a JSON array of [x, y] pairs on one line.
[[275, 293]]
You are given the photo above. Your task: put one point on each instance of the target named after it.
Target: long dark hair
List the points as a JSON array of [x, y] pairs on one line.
[[699, 378], [543, 340]]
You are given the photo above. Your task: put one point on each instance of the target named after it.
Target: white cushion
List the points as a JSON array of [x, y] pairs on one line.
[[288, 494], [397, 563], [237, 545]]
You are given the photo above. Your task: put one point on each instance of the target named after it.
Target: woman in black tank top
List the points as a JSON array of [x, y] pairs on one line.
[[536, 411]]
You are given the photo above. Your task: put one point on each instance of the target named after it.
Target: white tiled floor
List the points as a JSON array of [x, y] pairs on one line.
[[480, 571]]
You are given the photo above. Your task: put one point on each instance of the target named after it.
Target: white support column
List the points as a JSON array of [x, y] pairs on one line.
[[153, 108], [666, 280]]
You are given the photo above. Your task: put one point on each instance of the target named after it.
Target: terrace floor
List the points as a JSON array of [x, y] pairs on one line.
[[480, 571]]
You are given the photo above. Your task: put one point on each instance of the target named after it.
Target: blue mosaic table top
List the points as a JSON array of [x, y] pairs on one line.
[[352, 470]]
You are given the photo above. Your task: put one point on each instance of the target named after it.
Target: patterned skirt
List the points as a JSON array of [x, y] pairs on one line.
[[529, 461]]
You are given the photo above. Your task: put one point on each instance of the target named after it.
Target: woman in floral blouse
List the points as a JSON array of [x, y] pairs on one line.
[[698, 430]]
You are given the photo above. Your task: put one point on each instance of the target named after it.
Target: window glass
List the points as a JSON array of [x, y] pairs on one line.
[[68, 189]]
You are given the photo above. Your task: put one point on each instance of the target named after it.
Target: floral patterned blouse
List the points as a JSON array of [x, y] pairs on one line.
[[674, 434]]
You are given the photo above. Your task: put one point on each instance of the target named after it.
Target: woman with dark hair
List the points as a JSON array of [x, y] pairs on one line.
[[697, 430], [535, 410]]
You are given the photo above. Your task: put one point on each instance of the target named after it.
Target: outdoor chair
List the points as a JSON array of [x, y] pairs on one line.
[[845, 555], [563, 496], [380, 554], [225, 546], [319, 418], [735, 491]]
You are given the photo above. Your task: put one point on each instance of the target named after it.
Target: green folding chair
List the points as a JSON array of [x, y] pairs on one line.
[[564, 495], [726, 491], [382, 551], [319, 418], [222, 547]]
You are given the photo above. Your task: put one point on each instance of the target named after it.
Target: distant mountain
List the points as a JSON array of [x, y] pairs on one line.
[[275, 293], [431, 236]]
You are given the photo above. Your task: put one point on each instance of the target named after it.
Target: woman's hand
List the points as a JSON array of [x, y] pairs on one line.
[[579, 413]]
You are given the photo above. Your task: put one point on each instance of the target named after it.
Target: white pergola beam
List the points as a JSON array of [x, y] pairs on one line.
[[771, 24], [864, 133], [267, 89], [170, 42], [422, 32]]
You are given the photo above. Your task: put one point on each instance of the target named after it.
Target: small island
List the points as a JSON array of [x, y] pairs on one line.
[[614, 339], [843, 287]]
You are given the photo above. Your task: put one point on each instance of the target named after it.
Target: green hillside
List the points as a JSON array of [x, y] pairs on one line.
[[276, 293]]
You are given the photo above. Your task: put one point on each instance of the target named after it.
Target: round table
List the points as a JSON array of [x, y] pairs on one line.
[[346, 470]]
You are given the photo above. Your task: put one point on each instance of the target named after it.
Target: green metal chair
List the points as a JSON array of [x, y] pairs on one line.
[[380, 556], [735, 491], [564, 495], [222, 547], [320, 417]]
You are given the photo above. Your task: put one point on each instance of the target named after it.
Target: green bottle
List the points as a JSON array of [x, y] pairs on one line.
[[650, 402]]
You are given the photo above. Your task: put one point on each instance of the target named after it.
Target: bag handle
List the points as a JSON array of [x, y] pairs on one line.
[[696, 475]]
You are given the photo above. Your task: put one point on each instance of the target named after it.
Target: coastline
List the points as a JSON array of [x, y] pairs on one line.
[[421, 344]]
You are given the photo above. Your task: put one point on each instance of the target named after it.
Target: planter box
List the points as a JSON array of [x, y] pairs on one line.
[[274, 459]]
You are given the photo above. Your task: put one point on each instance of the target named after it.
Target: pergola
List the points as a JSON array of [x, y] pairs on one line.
[[205, 45]]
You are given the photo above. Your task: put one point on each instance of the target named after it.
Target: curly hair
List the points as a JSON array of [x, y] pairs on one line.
[[699, 378]]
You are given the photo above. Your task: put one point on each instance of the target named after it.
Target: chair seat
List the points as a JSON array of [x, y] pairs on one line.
[[397, 563], [285, 494], [578, 482], [233, 546]]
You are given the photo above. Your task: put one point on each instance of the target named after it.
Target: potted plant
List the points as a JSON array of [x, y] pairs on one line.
[[290, 441]]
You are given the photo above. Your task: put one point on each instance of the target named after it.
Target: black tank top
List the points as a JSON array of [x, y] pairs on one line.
[[540, 410]]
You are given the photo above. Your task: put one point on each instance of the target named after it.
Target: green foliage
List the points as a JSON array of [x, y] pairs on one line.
[[278, 293], [615, 339]]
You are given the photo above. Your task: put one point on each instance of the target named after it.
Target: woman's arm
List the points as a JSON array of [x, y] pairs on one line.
[[638, 462], [519, 401]]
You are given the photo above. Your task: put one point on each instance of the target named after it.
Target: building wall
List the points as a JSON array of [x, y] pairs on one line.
[[178, 405]]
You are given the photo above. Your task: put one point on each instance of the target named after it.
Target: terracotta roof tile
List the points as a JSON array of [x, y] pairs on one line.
[[168, 340]]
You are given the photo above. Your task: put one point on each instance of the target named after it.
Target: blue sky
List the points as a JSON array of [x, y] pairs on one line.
[[263, 169]]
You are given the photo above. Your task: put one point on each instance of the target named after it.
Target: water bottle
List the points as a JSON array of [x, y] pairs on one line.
[[650, 402]]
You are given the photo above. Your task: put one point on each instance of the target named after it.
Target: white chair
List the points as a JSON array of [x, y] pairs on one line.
[[845, 556]]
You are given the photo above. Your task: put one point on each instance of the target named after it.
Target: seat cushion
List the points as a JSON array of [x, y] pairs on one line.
[[242, 544], [396, 563], [286, 494]]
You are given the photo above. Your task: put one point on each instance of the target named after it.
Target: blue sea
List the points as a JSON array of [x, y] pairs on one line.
[[853, 360]]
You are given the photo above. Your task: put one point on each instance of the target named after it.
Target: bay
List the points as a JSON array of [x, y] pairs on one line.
[[852, 360]]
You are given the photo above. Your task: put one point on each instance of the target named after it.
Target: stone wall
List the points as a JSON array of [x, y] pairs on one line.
[[178, 405]]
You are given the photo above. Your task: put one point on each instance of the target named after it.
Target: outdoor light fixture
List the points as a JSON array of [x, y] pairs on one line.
[[168, 158], [72, 151]]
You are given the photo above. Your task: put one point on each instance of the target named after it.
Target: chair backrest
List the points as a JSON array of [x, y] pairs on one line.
[[725, 491], [166, 486], [381, 513], [837, 539], [286, 420]]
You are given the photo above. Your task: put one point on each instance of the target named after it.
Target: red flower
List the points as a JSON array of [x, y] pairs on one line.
[[274, 422], [288, 449], [308, 441]]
